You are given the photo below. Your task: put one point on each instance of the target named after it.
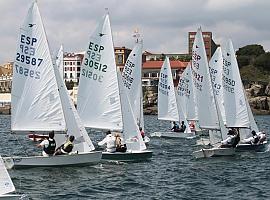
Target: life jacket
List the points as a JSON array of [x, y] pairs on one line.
[[256, 139], [51, 147], [68, 146]]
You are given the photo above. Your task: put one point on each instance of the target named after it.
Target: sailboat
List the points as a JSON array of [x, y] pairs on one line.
[[237, 109], [6, 184], [168, 108], [131, 75], [40, 101], [208, 110], [101, 103]]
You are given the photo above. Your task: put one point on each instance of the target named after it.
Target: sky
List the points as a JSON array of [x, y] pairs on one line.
[[164, 25]]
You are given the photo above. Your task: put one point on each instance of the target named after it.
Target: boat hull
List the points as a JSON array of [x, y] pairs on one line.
[[173, 134], [249, 147], [214, 152], [85, 158], [127, 156]]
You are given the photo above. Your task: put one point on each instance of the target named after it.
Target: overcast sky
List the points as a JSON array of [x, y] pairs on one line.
[[163, 24]]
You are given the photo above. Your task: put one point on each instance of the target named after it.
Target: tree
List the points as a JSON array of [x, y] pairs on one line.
[[243, 61], [250, 50], [263, 61]]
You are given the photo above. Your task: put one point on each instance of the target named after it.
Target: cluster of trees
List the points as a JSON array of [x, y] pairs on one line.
[[253, 55]]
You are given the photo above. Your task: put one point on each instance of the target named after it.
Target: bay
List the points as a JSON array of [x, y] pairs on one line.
[[172, 173]]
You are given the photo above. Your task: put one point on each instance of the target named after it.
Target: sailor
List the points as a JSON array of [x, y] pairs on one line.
[[262, 137], [182, 127], [67, 147], [232, 139], [48, 145], [175, 127], [142, 132], [120, 146], [110, 141], [254, 139]]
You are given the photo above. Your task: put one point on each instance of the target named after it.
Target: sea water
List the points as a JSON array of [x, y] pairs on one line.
[[172, 173]]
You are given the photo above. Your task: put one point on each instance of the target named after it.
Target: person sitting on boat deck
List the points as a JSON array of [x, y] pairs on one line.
[[262, 137], [182, 127], [142, 132], [67, 147], [48, 145], [254, 139], [110, 141], [232, 140], [120, 146], [175, 127]]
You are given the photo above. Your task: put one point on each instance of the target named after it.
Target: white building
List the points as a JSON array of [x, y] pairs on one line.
[[72, 66]]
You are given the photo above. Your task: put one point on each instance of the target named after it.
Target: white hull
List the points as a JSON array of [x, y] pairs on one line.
[[85, 158], [173, 134], [214, 152], [127, 156], [11, 196]]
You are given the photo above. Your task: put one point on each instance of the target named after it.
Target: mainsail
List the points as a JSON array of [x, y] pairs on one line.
[[35, 101], [98, 94], [167, 105], [234, 98], [131, 75]]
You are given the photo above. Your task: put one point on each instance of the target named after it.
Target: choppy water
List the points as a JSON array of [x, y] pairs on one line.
[[171, 174]]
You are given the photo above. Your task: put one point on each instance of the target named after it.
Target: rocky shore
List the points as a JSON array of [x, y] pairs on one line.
[[258, 95]]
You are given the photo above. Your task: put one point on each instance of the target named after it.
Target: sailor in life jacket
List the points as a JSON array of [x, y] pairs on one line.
[[110, 141], [48, 145], [254, 139], [67, 147]]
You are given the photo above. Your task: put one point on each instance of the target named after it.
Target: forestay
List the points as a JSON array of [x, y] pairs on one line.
[[234, 97], [98, 95], [167, 106], [131, 133], [35, 103], [131, 75], [6, 184], [206, 105]]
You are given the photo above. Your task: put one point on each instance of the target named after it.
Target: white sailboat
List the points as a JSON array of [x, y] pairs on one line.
[[6, 184], [208, 111], [168, 109], [99, 102], [131, 75], [237, 109], [40, 101], [59, 60]]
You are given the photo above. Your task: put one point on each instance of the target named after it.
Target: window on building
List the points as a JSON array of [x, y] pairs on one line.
[[78, 75], [78, 63], [79, 69], [145, 74], [73, 63], [70, 63], [120, 59], [65, 75], [71, 76], [154, 74]]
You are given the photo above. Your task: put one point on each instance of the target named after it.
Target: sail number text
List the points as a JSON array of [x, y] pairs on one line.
[[163, 84], [127, 72]]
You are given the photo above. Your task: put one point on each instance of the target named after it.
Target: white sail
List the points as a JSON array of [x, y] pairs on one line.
[[167, 106], [234, 97], [35, 102], [98, 94], [206, 105], [60, 61], [131, 75], [185, 94], [6, 184], [131, 133], [74, 125]]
